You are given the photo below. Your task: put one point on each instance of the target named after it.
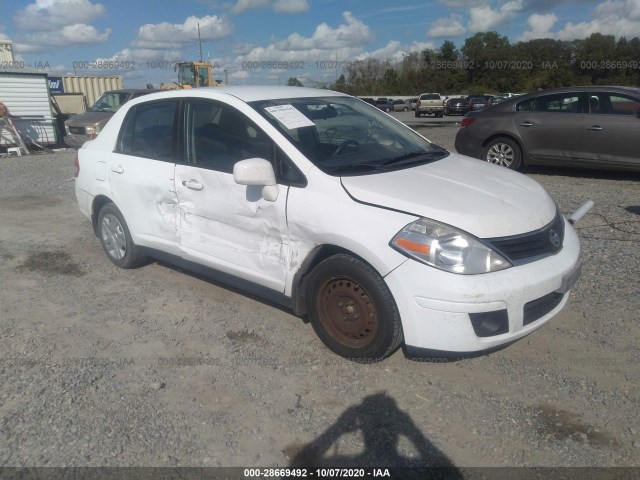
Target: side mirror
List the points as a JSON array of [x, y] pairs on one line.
[[257, 171]]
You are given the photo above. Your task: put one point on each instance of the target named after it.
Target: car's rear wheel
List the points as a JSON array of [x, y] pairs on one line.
[[352, 310], [116, 239], [504, 152]]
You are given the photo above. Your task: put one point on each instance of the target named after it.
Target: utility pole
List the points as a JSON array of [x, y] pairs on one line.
[[200, 41]]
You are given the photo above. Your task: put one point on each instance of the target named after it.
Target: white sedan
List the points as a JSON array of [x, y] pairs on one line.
[[321, 202]]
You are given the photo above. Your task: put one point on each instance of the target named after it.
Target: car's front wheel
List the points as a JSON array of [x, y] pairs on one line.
[[116, 239], [352, 310], [504, 152]]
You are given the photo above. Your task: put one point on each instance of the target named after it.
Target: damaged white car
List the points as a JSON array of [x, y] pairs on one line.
[[323, 203]]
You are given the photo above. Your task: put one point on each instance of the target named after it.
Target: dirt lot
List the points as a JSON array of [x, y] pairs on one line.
[[101, 366]]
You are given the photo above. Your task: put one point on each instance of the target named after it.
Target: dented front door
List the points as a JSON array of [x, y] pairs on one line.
[[230, 227]]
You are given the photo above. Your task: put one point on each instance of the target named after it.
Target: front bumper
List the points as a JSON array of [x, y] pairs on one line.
[[437, 307], [430, 110], [465, 145], [76, 141]]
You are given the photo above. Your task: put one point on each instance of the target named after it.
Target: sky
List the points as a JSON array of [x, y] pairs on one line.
[[269, 41]]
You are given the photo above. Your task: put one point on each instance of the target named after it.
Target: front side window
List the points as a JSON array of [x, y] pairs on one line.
[[217, 136], [345, 136], [148, 131]]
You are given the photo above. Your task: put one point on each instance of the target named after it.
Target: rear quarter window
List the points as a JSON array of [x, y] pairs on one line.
[[148, 131]]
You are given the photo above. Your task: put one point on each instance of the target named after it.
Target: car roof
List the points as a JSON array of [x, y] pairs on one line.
[[133, 90], [249, 93], [581, 88]]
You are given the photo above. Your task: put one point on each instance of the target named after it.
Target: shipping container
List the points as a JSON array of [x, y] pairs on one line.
[[92, 87], [25, 92], [6, 54]]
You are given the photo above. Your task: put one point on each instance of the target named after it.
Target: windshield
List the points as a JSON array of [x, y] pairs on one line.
[[345, 136], [109, 102], [186, 74]]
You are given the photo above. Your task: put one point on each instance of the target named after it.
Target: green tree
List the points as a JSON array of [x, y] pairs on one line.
[[448, 51], [294, 82]]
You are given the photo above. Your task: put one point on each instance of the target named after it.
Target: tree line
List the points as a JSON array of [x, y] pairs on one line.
[[489, 63]]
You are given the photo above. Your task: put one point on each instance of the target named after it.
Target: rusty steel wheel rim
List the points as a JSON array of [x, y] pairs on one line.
[[347, 312]]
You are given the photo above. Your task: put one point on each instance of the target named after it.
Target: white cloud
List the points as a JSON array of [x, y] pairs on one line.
[[46, 15], [279, 6], [463, 3], [244, 5], [351, 34], [291, 6], [446, 27], [539, 26], [69, 36], [143, 55], [171, 35], [239, 75], [484, 18], [611, 17], [394, 51]]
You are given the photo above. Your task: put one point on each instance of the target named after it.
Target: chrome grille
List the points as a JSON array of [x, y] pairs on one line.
[[518, 248]]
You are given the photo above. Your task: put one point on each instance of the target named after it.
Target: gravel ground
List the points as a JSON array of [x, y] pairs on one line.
[[157, 367]]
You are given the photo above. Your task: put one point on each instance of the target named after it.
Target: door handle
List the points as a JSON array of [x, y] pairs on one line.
[[117, 169], [526, 124], [192, 184], [595, 128]]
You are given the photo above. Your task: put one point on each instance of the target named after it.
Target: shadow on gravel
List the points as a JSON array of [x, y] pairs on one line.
[[582, 173], [635, 209], [381, 425]]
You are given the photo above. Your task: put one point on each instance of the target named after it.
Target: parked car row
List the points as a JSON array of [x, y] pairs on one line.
[[436, 104]]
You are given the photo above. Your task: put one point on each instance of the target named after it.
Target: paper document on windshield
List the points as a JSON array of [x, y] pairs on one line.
[[289, 116]]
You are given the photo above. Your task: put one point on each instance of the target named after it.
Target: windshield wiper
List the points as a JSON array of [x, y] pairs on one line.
[[414, 157], [409, 158]]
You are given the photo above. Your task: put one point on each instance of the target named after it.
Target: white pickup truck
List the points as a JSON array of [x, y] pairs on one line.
[[430, 104]]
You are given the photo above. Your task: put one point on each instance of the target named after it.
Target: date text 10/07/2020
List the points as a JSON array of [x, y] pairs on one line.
[[316, 472]]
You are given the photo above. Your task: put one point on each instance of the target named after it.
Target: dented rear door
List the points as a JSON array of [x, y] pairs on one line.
[[141, 175]]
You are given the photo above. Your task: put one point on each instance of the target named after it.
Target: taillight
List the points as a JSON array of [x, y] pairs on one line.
[[76, 164], [466, 121]]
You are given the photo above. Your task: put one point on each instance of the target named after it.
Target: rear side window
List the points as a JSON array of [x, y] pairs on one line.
[[613, 104], [559, 103], [148, 131]]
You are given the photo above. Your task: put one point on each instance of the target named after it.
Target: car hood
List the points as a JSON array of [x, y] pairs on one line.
[[88, 118], [483, 199]]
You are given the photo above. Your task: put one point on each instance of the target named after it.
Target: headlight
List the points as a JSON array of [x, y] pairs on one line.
[[447, 248]]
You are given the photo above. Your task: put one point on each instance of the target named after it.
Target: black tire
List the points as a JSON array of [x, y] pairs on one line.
[[116, 239], [417, 114], [340, 291], [406, 109], [503, 151]]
